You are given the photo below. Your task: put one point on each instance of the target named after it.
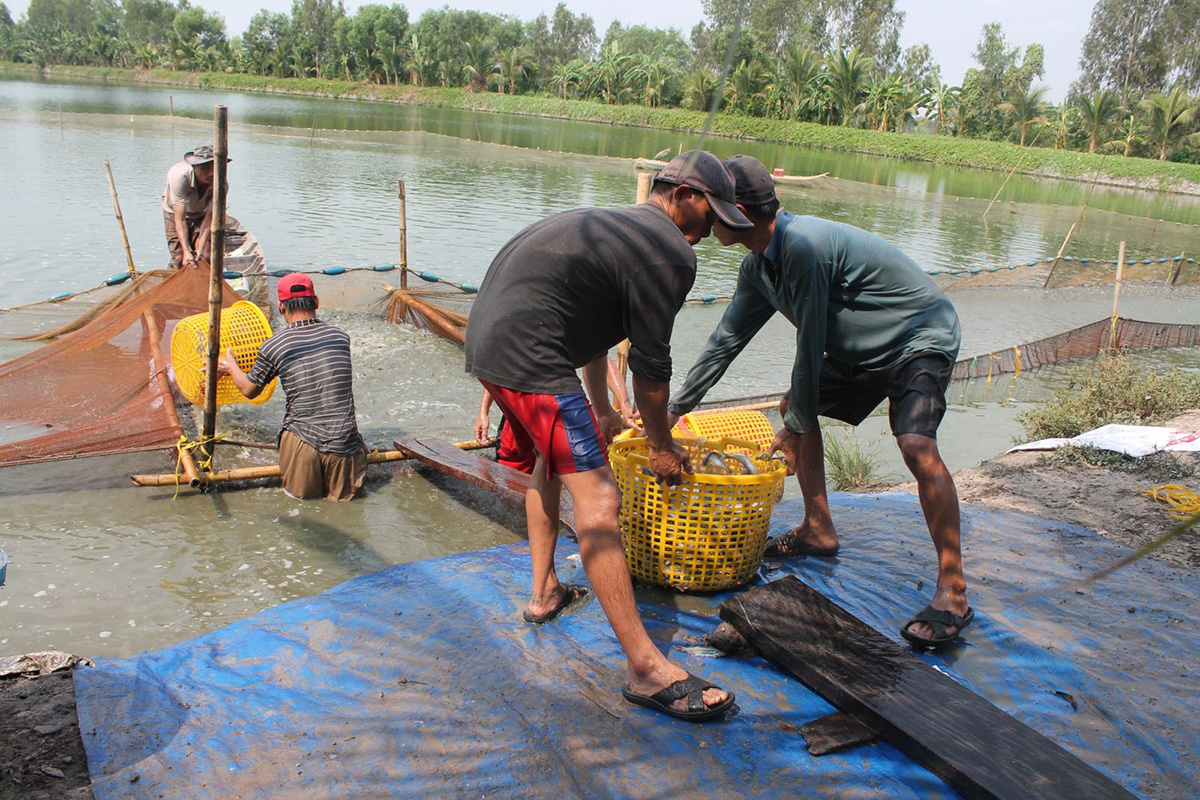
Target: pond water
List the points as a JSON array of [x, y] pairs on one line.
[[101, 568]]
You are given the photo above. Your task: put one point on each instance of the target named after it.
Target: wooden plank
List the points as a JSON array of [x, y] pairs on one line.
[[975, 747], [835, 733], [505, 482]]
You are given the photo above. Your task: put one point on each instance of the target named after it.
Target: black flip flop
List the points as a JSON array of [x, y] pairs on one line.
[[572, 593], [940, 621], [796, 547], [690, 687]]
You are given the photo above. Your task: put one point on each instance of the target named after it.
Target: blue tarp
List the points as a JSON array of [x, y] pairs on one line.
[[421, 680]]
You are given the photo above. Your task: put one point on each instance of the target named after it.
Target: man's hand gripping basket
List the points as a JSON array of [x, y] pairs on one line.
[[709, 532]]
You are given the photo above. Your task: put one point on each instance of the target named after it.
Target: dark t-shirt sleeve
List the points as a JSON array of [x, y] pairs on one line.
[[265, 369], [652, 299]]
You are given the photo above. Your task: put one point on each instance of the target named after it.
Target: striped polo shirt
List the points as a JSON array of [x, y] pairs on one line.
[[312, 360]]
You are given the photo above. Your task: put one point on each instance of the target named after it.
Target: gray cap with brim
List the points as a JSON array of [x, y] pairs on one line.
[[203, 154], [704, 172]]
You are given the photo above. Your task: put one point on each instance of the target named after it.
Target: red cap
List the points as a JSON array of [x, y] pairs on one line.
[[295, 284]]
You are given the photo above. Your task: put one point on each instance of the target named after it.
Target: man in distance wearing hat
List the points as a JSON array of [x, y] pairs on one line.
[[321, 453], [555, 299], [187, 206], [870, 325]]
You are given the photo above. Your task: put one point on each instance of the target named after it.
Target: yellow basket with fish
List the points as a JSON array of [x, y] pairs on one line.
[[709, 532], [751, 425]]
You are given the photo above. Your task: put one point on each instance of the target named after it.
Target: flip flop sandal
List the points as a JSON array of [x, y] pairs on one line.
[[795, 546], [940, 621], [690, 687], [572, 593]]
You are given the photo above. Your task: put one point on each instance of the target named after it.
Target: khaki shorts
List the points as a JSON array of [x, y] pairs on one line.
[[193, 225], [308, 473]]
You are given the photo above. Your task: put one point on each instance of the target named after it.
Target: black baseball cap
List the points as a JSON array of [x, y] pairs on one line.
[[754, 184], [704, 172]]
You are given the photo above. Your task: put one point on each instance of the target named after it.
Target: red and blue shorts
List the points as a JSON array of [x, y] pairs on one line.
[[559, 427]]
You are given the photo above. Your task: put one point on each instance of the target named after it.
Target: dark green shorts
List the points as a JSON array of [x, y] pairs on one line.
[[915, 390]]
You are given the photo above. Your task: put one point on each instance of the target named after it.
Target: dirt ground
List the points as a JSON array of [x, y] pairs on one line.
[[1099, 499], [41, 751]]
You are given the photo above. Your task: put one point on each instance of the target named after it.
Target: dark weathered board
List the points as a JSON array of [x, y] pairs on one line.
[[834, 733], [505, 482], [975, 747]]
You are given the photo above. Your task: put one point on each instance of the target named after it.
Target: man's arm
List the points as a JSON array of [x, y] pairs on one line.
[[181, 233], [668, 460], [748, 311], [227, 365], [595, 381], [482, 422]]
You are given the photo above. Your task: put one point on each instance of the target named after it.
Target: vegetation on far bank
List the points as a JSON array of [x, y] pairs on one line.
[[951, 151], [1112, 390], [818, 73]]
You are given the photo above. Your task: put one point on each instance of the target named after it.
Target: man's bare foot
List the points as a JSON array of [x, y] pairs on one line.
[[663, 675], [807, 540], [944, 600]]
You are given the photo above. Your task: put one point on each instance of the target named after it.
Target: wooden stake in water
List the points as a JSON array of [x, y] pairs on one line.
[[112, 192], [1173, 270], [1058, 257], [1112, 338], [216, 266], [172, 105], [402, 224], [996, 196]]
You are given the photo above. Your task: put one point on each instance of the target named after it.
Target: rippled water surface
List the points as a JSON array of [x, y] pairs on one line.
[[101, 568]]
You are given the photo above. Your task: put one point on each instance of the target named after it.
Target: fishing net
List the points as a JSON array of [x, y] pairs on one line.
[[1088, 340], [102, 386], [1072, 271]]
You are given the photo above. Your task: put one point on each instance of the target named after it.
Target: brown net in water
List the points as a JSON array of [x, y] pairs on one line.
[[104, 387], [1088, 340]]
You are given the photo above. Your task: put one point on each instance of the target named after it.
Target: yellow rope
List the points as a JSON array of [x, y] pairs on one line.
[[185, 445], [1017, 352], [1181, 502]]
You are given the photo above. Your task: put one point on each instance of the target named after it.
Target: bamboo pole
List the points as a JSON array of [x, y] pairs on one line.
[[112, 192], [216, 269], [273, 471], [1058, 257], [402, 224], [996, 196], [172, 106], [1112, 337], [1174, 270]]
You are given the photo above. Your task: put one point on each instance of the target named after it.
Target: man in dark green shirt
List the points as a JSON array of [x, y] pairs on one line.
[[870, 325]]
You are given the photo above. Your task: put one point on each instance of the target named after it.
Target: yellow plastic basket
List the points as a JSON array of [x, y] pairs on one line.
[[753, 426], [244, 328], [704, 535]]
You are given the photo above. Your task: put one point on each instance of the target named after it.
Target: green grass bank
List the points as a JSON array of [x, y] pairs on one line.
[[958, 152]]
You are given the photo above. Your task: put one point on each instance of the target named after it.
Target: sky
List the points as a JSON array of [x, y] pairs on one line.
[[950, 28]]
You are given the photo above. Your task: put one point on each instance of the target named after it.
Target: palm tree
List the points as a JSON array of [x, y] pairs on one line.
[[479, 62], [748, 87], [945, 100], [1097, 111], [652, 70], [514, 64], [847, 77], [699, 87], [1027, 108], [1170, 114], [800, 77]]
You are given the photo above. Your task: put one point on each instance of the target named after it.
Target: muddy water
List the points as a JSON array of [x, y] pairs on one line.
[[101, 568]]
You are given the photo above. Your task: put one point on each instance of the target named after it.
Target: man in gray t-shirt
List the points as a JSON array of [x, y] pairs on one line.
[[187, 206]]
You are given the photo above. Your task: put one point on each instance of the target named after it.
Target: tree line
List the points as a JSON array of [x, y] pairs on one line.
[[835, 62]]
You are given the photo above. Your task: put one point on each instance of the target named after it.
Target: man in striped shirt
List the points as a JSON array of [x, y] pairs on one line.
[[321, 453]]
